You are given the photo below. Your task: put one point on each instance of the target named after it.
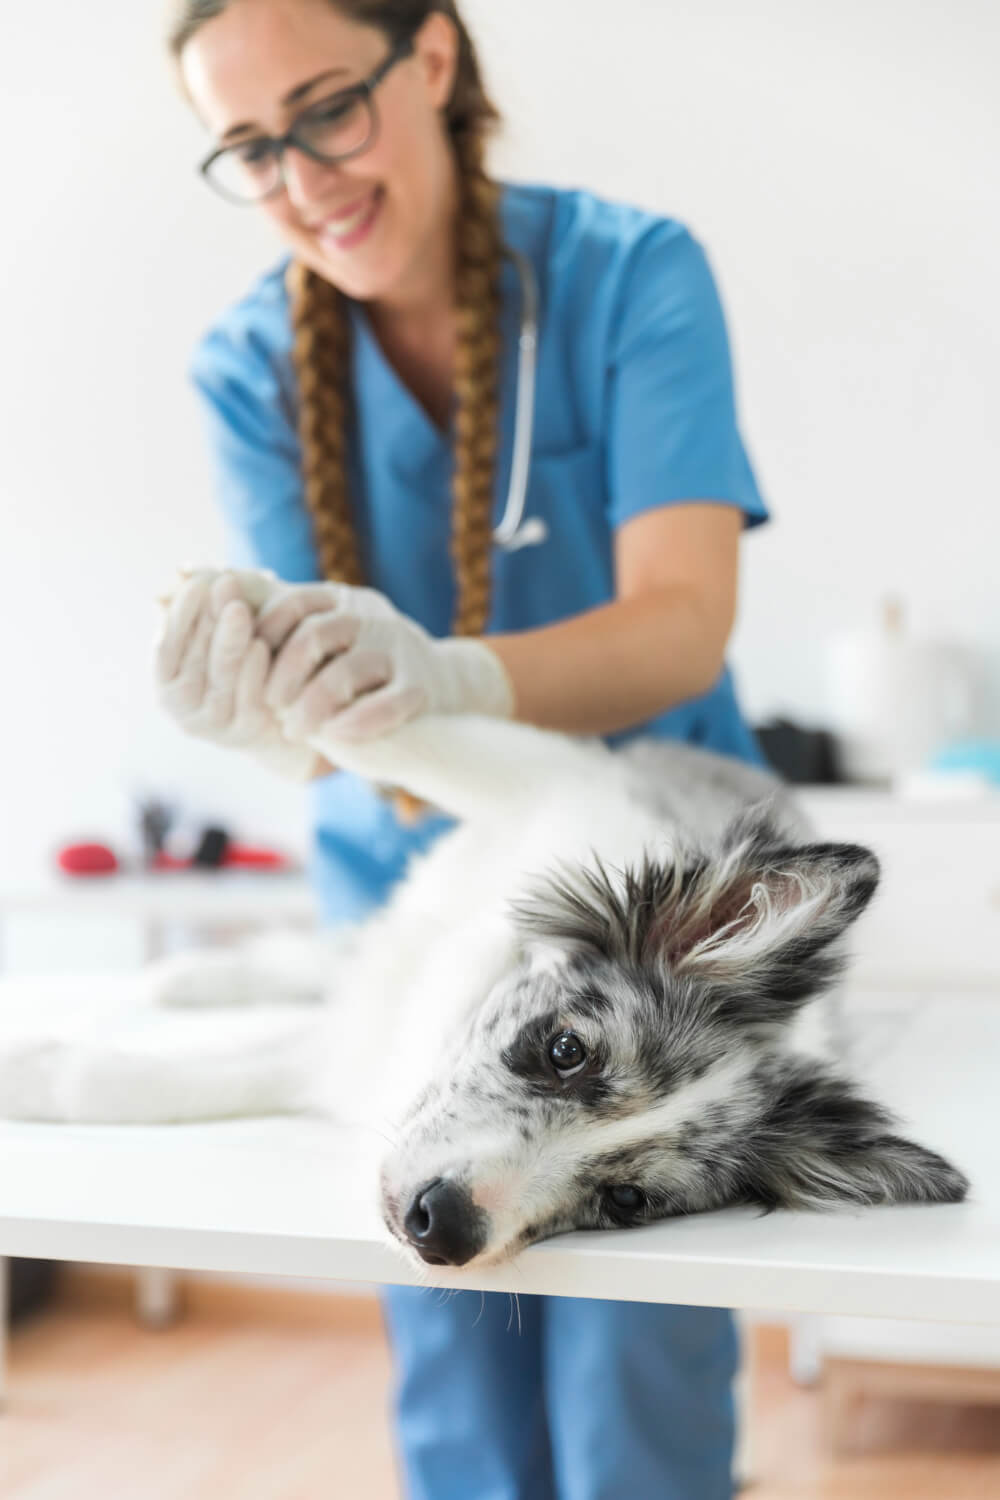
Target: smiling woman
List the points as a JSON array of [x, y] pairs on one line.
[[378, 229], [363, 402]]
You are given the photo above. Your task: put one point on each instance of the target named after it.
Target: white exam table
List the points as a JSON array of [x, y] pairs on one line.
[[285, 1196]]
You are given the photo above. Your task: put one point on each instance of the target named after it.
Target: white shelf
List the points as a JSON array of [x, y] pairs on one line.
[[879, 805], [191, 896]]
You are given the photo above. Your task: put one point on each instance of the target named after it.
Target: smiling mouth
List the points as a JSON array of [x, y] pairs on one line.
[[348, 229]]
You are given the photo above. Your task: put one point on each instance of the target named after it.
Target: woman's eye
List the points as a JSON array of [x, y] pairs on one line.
[[255, 153], [337, 109], [626, 1198], [567, 1054]]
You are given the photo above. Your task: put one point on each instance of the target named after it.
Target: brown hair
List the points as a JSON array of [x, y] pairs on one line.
[[321, 348]]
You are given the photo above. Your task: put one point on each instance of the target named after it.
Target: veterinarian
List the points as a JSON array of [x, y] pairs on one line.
[[367, 404]]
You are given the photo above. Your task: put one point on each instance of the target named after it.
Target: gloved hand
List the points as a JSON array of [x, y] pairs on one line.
[[211, 669], [345, 658]]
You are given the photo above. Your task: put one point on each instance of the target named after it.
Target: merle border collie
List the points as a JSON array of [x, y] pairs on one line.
[[608, 995]]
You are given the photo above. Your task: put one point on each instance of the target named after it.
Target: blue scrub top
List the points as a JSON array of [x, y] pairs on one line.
[[635, 409]]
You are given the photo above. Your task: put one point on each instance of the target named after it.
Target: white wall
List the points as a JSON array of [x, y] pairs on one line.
[[837, 160]]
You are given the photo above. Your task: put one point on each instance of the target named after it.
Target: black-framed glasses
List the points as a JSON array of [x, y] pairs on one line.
[[332, 130]]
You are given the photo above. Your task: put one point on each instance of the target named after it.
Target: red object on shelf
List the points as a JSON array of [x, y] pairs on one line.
[[87, 859], [162, 861], [257, 859], [240, 855], [99, 859]]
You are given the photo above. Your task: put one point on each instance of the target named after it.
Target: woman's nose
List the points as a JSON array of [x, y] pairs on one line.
[[306, 181]]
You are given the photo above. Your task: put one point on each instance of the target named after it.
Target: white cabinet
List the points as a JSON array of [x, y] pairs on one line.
[[935, 920], [934, 926]]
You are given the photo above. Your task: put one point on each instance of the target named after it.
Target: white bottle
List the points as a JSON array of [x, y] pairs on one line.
[[893, 702]]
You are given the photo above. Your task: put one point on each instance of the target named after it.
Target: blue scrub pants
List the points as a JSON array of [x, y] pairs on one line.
[[585, 1401]]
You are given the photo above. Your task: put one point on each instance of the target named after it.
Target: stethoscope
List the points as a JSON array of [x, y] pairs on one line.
[[514, 531]]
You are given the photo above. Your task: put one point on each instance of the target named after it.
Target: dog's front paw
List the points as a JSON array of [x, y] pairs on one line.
[[199, 978], [257, 585], [275, 968]]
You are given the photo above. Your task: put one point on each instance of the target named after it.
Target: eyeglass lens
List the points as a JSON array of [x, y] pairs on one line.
[[334, 129]]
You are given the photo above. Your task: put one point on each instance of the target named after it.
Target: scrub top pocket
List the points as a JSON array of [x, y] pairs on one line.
[[572, 568]]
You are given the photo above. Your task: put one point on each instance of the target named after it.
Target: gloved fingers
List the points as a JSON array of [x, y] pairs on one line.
[[313, 641], [334, 689], [227, 649], [182, 616], [256, 586], [377, 713], [184, 694], [185, 575], [290, 606], [231, 637], [249, 693], [224, 589], [277, 620], [211, 671]]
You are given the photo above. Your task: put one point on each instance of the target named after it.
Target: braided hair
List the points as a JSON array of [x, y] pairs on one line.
[[321, 329]]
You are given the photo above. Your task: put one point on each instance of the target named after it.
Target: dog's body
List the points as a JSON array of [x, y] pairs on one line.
[[582, 1008]]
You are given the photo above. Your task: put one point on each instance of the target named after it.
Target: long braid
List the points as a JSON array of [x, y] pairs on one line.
[[477, 384], [322, 344], [321, 355]]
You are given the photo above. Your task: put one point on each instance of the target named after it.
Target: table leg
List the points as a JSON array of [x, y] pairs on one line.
[[805, 1349], [156, 1300], [155, 1289]]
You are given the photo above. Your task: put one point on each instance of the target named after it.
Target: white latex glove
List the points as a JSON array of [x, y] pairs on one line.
[[211, 669], [347, 660]]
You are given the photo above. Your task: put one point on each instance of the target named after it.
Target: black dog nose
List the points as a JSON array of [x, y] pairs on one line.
[[443, 1224]]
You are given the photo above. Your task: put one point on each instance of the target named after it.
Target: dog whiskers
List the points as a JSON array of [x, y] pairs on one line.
[[382, 1135]]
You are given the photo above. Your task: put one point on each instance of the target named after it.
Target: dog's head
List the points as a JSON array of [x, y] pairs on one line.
[[634, 1063]]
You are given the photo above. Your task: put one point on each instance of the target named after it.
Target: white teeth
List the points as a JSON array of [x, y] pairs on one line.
[[339, 229]]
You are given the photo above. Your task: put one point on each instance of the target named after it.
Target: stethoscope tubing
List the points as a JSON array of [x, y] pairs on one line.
[[513, 530]]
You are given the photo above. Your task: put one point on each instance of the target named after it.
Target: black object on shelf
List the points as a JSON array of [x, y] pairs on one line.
[[806, 756], [155, 819], [211, 848]]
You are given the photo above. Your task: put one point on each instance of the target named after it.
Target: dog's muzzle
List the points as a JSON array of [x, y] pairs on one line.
[[444, 1225]]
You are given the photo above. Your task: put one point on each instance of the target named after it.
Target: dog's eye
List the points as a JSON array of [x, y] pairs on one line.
[[567, 1054], [626, 1199]]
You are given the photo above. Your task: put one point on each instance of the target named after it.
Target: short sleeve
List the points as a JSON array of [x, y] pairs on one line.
[[672, 426], [255, 455]]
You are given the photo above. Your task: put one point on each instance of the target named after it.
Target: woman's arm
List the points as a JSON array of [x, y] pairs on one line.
[[659, 642]]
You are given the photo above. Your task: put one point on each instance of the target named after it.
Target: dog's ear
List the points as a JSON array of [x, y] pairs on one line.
[[760, 917], [756, 917], [821, 1145]]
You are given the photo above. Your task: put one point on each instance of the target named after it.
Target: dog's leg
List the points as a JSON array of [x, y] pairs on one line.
[[140, 1065], [203, 1035], [467, 765], [279, 967]]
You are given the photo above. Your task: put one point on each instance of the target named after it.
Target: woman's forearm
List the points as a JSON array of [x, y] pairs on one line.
[[616, 665]]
